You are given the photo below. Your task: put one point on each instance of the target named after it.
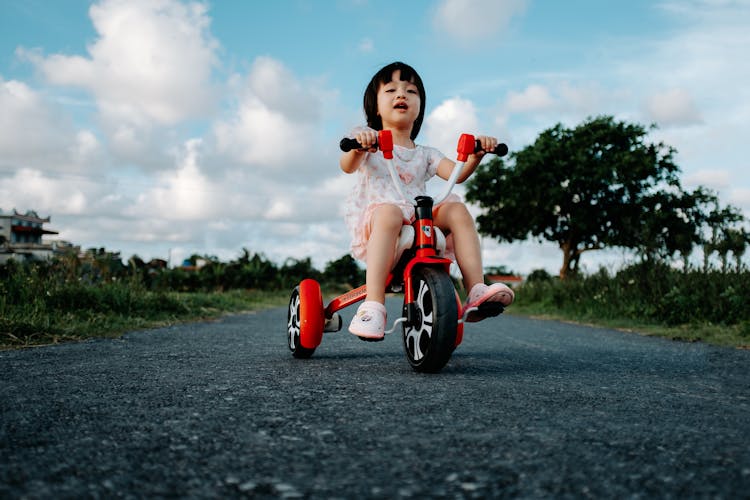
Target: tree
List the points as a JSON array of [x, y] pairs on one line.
[[598, 185], [724, 235], [731, 240], [344, 271]]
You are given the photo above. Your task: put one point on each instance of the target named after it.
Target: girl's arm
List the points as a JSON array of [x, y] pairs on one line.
[[351, 160], [445, 167]]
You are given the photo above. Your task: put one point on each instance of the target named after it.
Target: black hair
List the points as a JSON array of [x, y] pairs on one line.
[[408, 74]]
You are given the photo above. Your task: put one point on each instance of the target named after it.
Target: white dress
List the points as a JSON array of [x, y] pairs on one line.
[[374, 187]]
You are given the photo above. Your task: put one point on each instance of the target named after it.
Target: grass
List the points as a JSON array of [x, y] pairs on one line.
[[36, 325], [43, 305], [736, 335]]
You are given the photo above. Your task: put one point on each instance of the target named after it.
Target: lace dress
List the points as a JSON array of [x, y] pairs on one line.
[[374, 187]]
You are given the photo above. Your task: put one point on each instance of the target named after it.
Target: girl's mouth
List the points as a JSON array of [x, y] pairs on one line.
[[401, 105]]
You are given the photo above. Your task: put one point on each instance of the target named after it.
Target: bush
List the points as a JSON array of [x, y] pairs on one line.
[[650, 291]]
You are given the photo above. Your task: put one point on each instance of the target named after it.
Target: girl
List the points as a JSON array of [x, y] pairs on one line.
[[375, 212]]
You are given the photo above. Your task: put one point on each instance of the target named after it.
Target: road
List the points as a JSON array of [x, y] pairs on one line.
[[525, 408]]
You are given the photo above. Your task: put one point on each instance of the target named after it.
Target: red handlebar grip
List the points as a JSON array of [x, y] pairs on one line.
[[465, 146], [385, 143]]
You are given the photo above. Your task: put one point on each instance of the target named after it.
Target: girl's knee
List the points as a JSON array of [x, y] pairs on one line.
[[387, 217], [454, 213]]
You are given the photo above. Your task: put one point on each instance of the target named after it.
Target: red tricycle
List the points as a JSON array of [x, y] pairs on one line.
[[433, 317]]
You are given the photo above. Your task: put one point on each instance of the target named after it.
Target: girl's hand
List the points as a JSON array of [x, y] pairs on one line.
[[368, 138], [488, 144]]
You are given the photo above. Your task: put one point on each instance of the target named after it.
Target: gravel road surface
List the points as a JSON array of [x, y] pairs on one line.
[[525, 408]]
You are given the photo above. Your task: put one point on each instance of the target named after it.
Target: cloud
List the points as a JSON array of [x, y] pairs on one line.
[[150, 66], [673, 107], [713, 179], [180, 194], [535, 97], [37, 134], [740, 197], [31, 189], [471, 20], [274, 124], [444, 125]]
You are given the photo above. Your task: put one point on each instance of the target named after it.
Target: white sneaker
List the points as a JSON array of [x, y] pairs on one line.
[[369, 322]]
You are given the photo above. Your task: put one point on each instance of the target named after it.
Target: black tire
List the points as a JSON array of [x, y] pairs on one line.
[[294, 322], [430, 341]]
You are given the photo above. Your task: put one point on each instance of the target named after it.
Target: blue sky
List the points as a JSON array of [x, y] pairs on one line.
[[167, 128]]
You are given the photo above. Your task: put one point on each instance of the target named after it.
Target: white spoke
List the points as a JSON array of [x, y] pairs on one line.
[[293, 325], [413, 335]]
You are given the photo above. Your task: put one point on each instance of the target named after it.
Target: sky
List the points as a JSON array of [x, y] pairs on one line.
[[167, 128]]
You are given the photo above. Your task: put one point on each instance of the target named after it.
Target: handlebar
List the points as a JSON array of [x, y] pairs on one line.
[[467, 145], [347, 144]]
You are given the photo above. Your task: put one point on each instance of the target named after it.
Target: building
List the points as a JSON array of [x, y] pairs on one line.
[[21, 237]]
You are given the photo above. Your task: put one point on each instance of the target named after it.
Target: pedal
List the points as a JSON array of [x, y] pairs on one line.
[[490, 309], [484, 310], [333, 324]]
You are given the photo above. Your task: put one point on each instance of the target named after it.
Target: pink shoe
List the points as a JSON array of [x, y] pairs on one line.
[[484, 294], [369, 322]]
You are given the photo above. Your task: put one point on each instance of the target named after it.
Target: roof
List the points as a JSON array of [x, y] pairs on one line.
[[32, 230]]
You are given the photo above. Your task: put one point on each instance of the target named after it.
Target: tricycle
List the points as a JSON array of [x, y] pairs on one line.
[[432, 317]]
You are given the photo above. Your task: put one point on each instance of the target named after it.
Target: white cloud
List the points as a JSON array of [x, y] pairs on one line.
[[535, 97], [275, 121], [471, 20], [673, 107], [740, 197], [29, 188], [35, 133], [149, 66], [444, 125], [713, 179], [180, 194]]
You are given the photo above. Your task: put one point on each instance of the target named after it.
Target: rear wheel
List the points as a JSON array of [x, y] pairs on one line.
[[305, 319], [431, 337]]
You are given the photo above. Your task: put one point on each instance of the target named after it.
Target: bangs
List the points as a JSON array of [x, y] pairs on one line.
[[407, 74]]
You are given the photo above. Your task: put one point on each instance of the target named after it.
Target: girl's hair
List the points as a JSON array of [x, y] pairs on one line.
[[408, 74]]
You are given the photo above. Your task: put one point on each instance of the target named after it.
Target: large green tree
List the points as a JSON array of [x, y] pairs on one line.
[[598, 185]]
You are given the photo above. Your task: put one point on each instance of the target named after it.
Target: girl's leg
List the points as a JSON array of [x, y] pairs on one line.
[[454, 218], [370, 320], [381, 247]]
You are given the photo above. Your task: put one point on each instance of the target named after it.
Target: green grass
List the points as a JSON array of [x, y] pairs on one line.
[[51, 303], [722, 335], [79, 315]]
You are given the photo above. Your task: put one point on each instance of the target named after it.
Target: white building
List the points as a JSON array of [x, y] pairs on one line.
[[21, 237]]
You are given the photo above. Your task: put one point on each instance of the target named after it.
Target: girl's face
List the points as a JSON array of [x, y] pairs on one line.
[[398, 102]]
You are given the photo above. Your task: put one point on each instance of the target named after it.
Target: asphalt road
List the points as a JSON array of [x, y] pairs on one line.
[[525, 408]]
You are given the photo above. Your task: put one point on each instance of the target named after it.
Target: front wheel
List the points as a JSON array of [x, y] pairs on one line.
[[305, 319], [429, 340]]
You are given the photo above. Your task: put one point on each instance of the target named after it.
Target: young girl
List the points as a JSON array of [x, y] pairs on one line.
[[395, 100]]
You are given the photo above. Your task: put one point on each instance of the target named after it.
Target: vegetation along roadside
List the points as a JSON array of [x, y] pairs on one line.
[[68, 299], [599, 185]]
